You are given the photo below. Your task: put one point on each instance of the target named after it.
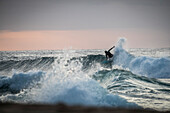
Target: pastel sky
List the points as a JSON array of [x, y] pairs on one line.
[[83, 24]]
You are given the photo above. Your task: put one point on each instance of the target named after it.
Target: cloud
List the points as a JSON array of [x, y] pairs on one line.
[[22, 15]]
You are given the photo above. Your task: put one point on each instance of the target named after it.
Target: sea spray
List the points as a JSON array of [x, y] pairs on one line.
[[69, 84]]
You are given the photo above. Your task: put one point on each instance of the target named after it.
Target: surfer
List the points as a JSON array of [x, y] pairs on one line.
[[108, 54]]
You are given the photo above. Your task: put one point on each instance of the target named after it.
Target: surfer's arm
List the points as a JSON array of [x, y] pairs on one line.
[[111, 48]]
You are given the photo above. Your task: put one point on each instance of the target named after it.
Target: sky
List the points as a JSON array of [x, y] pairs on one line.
[[83, 24]]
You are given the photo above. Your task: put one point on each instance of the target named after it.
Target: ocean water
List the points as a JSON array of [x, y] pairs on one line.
[[135, 78]]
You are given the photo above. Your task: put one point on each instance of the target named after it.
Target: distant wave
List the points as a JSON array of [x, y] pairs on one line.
[[26, 65]]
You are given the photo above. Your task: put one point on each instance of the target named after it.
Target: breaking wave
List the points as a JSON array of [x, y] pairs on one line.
[[142, 65], [66, 84]]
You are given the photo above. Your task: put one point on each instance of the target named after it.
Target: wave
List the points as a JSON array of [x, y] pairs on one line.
[[142, 90], [76, 88], [142, 65], [45, 63], [122, 76], [26, 65], [19, 81], [66, 83], [88, 93]]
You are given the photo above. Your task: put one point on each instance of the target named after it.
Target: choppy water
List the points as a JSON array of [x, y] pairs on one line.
[[136, 78]]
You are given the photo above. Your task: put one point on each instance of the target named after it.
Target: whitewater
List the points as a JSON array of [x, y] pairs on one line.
[[136, 78]]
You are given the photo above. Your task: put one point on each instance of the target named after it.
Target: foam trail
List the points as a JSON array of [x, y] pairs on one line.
[[143, 65]]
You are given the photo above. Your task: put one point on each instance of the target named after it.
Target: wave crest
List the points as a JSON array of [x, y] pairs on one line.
[[142, 65]]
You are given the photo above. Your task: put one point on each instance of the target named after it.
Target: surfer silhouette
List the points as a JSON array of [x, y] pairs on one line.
[[108, 54]]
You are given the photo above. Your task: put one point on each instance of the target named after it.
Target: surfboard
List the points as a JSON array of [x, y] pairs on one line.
[[108, 61]]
